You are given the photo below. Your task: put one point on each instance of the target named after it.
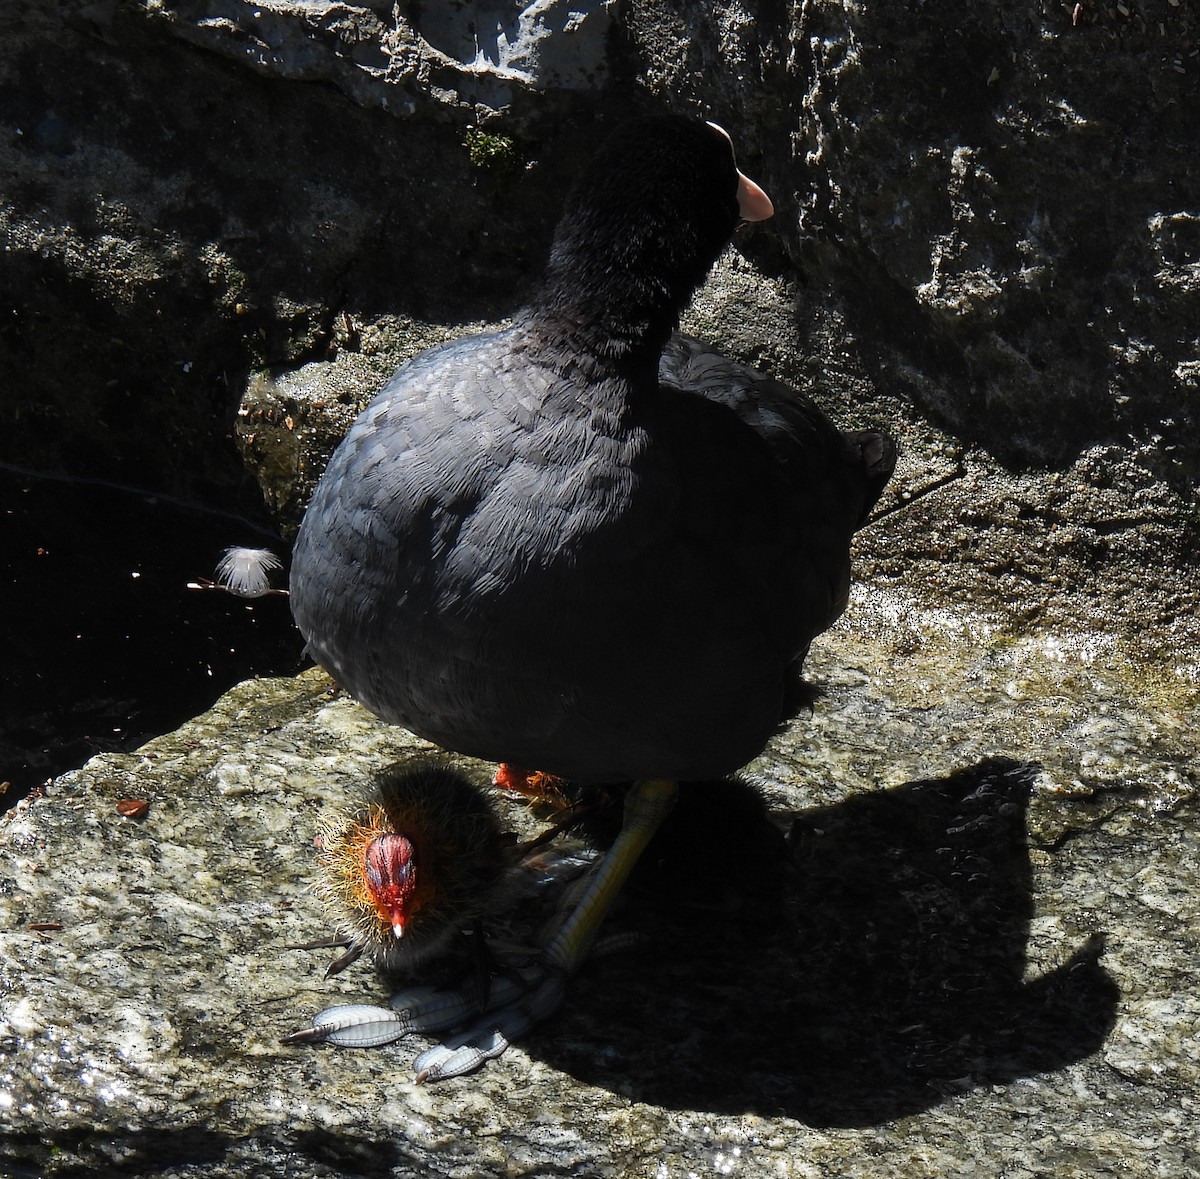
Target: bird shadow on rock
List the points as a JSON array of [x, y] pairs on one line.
[[887, 974]]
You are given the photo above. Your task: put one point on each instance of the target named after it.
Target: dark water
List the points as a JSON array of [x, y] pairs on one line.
[[103, 644]]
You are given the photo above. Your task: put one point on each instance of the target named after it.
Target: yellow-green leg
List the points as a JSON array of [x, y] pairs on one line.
[[648, 802]]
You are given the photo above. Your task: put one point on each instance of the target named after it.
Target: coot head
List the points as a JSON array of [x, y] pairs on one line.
[[648, 217]]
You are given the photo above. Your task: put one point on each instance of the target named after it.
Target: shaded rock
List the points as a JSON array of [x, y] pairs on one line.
[[165, 233], [1013, 219]]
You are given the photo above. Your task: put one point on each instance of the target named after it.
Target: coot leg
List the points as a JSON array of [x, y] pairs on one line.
[[647, 804]]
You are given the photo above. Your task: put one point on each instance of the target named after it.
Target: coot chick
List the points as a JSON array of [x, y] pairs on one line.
[[410, 865], [577, 544], [407, 869]]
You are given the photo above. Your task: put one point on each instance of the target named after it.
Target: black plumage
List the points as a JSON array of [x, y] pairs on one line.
[[582, 543]]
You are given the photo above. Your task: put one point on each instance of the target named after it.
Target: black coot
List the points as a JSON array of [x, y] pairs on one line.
[[584, 545]]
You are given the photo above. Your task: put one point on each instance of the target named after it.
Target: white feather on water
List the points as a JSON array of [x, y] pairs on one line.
[[247, 572]]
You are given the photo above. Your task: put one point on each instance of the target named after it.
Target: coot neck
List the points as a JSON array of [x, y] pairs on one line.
[[617, 280], [603, 351], [620, 330]]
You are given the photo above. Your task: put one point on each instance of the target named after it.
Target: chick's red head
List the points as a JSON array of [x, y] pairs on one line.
[[390, 876]]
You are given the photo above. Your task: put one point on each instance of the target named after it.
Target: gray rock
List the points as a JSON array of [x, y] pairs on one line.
[[457, 54], [931, 999]]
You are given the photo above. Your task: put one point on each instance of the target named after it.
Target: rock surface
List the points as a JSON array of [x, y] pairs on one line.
[[932, 1000], [230, 220]]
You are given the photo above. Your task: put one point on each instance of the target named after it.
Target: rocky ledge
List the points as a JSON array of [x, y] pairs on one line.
[[983, 958]]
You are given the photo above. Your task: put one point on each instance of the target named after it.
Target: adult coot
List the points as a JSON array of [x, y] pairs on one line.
[[582, 544]]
